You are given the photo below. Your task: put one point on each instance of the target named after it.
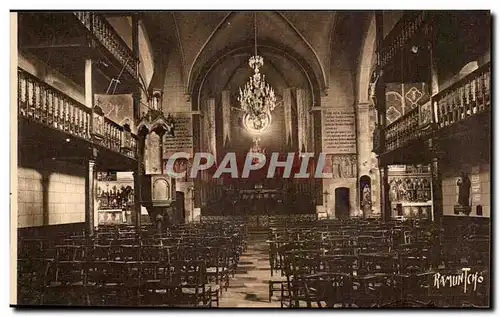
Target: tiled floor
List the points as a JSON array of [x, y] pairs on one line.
[[249, 287]]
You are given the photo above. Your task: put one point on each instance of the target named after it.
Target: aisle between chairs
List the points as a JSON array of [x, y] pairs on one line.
[[250, 285]]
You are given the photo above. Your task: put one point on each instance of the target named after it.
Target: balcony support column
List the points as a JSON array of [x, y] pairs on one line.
[[135, 38], [363, 144], [136, 97], [384, 193], [437, 193], [137, 196], [90, 190], [385, 204], [89, 92], [437, 199]]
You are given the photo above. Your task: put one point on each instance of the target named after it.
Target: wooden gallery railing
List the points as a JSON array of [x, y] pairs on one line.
[[44, 104], [410, 25], [467, 97], [402, 131], [106, 35]]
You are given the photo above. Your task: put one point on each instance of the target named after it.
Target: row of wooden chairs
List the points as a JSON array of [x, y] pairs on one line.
[[346, 266], [191, 266]]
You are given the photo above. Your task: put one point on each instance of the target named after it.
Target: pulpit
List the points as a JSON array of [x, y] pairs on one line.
[[158, 189]]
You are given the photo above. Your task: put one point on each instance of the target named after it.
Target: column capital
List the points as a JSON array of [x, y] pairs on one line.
[[94, 153], [362, 105]]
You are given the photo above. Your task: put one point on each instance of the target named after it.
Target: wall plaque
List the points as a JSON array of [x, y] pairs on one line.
[[338, 131], [183, 139], [475, 181]]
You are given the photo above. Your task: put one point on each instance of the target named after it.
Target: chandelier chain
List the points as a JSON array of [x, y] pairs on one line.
[[256, 97], [255, 30]]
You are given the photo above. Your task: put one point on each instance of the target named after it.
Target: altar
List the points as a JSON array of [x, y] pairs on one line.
[[258, 201], [114, 217]]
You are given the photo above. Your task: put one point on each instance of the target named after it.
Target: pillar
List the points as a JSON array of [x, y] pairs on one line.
[[197, 146], [437, 193], [317, 144], [384, 193], [363, 148], [90, 184], [437, 207], [89, 89], [137, 194], [385, 206], [136, 99]]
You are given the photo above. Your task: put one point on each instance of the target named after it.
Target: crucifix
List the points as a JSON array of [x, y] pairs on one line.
[[325, 194]]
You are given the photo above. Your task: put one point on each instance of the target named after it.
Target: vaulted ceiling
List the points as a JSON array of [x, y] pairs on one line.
[[310, 39]]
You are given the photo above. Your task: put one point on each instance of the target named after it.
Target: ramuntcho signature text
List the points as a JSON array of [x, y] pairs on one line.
[[465, 278]]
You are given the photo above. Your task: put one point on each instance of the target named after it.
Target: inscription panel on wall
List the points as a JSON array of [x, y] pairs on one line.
[[182, 141], [475, 181], [338, 130]]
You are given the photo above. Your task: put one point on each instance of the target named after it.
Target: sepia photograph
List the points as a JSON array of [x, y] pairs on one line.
[[337, 159]]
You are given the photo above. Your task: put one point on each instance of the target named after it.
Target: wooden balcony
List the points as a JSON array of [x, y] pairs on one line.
[[458, 111], [413, 24], [45, 105], [402, 131], [105, 34], [404, 140], [65, 39], [468, 97]]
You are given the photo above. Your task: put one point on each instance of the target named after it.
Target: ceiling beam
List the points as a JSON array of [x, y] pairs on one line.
[[281, 51], [307, 44], [181, 50], [190, 74]]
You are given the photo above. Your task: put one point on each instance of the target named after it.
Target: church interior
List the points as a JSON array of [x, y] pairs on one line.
[[393, 106]]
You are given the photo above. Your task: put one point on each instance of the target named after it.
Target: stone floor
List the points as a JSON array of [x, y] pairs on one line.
[[250, 285]]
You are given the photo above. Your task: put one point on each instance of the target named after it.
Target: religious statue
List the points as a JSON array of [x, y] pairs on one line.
[[367, 197], [393, 191], [345, 167], [424, 214], [354, 165], [373, 84], [333, 165], [401, 190], [367, 200], [464, 185]]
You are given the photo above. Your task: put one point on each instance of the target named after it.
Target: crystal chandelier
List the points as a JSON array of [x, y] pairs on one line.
[[257, 97]]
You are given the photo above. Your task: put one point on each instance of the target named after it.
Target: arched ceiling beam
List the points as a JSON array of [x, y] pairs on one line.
[[366, 60], [303, 66], [179, 46], [324, 80], [314, 60], [245, 62], [331, 39], [204, 45]]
